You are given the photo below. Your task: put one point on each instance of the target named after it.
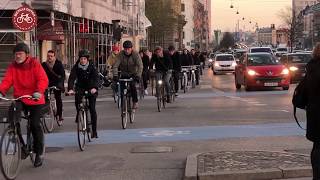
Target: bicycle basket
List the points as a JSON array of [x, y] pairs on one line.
[[4, 112]]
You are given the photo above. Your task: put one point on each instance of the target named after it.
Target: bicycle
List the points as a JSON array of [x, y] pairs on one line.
[[193, 76], [126, 101], [51, 116], [160, 93], [172, 88], [82, 120], [12, 139], [184, 80], [141, 89]]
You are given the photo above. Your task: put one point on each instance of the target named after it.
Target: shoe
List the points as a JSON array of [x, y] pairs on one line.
[[146, 92], [176, 95], [60, 120], [94, 135], [135, 106], [24, 152], [168, 99], [38, 161]]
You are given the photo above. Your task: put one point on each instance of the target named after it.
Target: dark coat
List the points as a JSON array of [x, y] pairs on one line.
[[56, 78], [176, 61], [196, 59], [186, 60], [162, 64], [146, 62], [313, 97], [83, 79]]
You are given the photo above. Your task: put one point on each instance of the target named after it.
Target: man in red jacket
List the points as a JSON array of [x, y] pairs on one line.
[[27, 77]]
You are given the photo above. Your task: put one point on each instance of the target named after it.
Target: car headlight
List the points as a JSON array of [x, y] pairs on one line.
[[160, 82], [216, 64], [234, 64], [252, 73], [210, 60], [285, 71], [293, 68]]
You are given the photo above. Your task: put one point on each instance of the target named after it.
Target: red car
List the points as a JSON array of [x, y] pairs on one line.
[[259, 70]]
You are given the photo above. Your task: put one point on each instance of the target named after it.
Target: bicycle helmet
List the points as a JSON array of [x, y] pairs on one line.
[[84, 53], [127, 44], [21, 47]]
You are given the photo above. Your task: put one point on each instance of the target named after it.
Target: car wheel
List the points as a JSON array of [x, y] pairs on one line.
[[285, 88]]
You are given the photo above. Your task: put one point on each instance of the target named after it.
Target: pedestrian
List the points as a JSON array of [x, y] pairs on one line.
[[27, 77], [56, 75], [313, 106]]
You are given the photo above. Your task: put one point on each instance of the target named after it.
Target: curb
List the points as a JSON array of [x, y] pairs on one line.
[[191, 172]]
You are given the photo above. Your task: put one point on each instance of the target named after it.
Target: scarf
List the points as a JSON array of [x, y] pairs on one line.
[[50, 64], [83, 67]]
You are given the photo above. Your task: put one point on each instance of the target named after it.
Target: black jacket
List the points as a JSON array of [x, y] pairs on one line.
[[146, 62], [57, 75], [162, 64], [196, 59], [186, 60], [313, 97], [176, 61], [83, 79]]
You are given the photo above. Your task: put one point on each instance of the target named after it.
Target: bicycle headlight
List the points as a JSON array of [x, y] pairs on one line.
[[160, 82], [210, 60]]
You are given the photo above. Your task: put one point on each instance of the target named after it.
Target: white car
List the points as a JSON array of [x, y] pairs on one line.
[[224, 63], [281, 51]]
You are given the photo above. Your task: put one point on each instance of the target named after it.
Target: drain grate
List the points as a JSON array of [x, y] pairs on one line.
[[152, 149], [53, 149]]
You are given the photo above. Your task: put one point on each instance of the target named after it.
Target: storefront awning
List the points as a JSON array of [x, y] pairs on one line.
[[47, 32]]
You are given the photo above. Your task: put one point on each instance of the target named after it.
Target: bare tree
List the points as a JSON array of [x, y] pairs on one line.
[[227, 41], [293, 22]]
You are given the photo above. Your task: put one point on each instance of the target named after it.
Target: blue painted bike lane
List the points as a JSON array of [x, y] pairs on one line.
[[179, 134]]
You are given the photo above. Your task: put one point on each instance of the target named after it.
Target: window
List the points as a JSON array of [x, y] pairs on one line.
[[114, 2], [182, 7]]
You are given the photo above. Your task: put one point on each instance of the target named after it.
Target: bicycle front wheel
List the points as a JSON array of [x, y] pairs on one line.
[[124, 112], [81, 129], [130, 110], [164, 97], [159, 96], [10, 157], [49, 119]]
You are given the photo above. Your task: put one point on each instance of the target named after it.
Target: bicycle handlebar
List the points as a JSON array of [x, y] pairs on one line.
[[16, 99], [53, 88]]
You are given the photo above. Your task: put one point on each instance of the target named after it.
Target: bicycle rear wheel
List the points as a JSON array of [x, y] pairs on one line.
[[185, 80], [49, 119], [159, 96], [193, 80], [124, 112], [10, 157], [81, 130]]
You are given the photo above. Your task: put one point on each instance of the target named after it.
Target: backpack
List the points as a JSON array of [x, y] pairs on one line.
[[299, 99]]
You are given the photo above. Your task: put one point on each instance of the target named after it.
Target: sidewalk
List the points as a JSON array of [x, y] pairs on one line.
[[247, 165]]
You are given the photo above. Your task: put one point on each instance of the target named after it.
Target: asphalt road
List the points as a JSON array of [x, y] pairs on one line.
[[212, 117]]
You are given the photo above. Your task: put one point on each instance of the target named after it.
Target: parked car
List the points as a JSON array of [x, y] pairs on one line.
[[260, 50], [224, 63], [296, 63], [260, 70]]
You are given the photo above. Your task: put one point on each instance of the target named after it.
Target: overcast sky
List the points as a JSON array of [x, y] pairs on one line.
[[263, 12]]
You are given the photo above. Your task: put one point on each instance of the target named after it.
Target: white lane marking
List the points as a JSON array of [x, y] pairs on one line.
[[279, 111], [162, 133]]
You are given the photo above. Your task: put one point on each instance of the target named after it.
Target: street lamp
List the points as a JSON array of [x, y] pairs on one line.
[[231, 6]]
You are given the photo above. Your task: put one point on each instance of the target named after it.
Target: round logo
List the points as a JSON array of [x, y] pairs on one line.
[[24, 18]]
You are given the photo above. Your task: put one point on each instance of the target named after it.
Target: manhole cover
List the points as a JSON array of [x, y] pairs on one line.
[[53, 149], [152, 149]]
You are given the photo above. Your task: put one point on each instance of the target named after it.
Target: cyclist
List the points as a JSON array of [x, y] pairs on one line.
[[144, 54], [130, 65], [163, 66], [27, 77], [56, 75], [84, 77], [176, 62], [110, 62], [196, 61]]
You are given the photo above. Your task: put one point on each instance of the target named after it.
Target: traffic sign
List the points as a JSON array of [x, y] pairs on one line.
[[24, 18]]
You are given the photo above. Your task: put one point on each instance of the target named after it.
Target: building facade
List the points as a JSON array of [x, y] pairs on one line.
[[67, 26], [201, 25], [167, 23], [299, 5], [188, 29]]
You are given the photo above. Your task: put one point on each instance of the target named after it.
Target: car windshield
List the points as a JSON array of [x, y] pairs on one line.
[[255, 50], [299, 58], [282, 49], [224, 58], [262, 59]]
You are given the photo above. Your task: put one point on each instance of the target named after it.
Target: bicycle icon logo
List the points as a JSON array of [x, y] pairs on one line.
[[24, 18]]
